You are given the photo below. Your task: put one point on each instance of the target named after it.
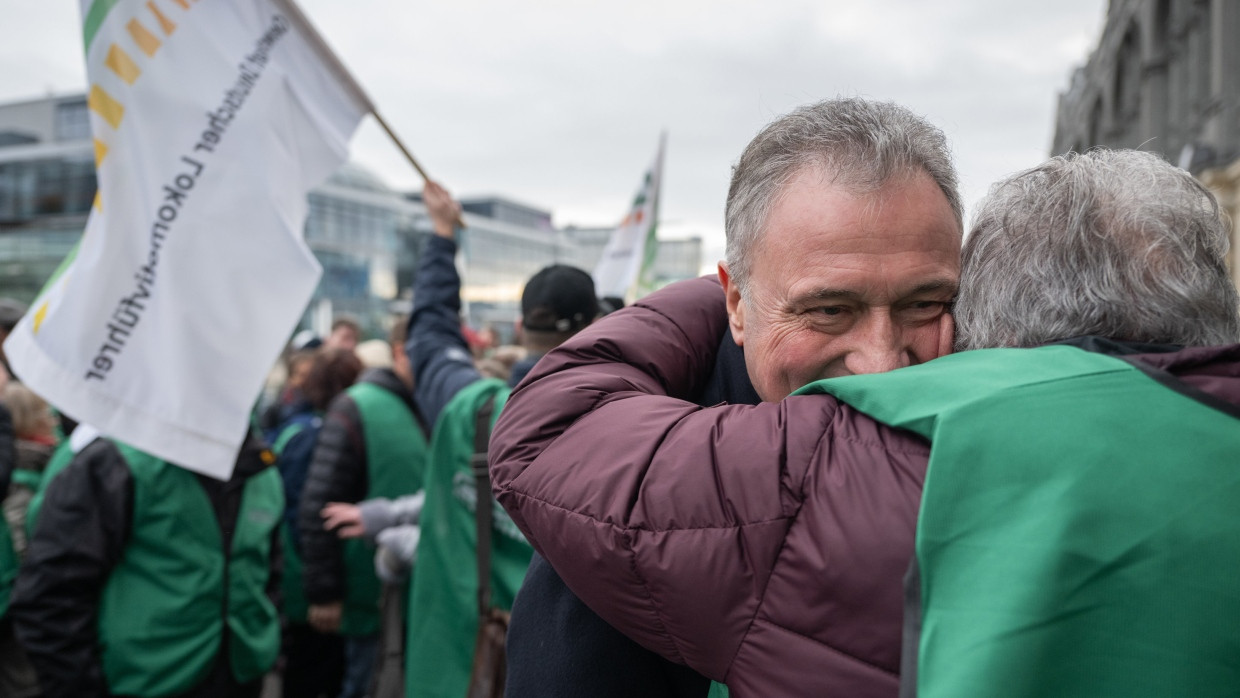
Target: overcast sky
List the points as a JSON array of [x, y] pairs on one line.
[[559, 103]]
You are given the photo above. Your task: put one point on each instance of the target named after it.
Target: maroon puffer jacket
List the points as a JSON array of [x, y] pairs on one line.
[[763, 546]]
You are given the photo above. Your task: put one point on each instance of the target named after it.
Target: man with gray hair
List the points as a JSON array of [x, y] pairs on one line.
[[844, 227], [1071, 483]]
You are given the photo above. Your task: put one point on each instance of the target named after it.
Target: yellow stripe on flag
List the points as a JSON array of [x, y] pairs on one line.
[[98, 201], [183, 3], [143, 37], [122, 64], [101, 151], [164, 23], [105, 106], [39, 315]]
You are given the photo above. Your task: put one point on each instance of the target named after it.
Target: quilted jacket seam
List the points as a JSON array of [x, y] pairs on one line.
[[829, 646], [792, 519]]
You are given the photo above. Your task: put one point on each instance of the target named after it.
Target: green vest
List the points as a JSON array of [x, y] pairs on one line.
[[396, 454], [1078, 534], [168, 602], [443, 602]]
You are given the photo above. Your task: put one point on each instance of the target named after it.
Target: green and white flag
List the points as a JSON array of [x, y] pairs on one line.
[[627, 263], [212, 120]]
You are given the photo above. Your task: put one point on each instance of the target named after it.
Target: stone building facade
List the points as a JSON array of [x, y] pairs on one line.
[[1165, 77]]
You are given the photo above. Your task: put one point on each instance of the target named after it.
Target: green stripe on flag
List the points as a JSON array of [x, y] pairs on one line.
[[94, 19]]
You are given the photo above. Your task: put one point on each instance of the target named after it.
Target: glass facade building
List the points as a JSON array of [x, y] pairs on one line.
[[366, 235]]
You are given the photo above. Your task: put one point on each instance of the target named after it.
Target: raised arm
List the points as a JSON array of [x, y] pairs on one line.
[[442, 364]]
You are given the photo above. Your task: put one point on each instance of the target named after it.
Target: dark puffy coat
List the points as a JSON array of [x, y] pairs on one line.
[[559, 648], [338, 474]]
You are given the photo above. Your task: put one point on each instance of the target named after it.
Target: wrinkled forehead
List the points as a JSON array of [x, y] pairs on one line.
[[907, 208]]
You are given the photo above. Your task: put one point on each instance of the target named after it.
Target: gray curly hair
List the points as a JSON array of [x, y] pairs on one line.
[[1113, 243]]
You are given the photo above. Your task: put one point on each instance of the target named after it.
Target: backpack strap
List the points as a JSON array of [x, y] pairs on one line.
[[482, 505]]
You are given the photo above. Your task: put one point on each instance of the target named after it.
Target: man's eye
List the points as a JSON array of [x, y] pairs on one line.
[[926, 309]]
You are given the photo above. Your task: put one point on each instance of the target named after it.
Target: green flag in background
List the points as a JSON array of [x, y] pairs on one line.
[[626, 267]]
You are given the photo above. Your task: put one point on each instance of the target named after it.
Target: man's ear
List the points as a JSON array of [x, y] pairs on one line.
[[736, 306]]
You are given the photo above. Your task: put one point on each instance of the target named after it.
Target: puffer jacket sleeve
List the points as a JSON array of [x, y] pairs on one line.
[[664, 517], [337, 474]]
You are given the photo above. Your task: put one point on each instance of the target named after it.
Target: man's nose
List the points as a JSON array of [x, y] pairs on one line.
[[878, 347]]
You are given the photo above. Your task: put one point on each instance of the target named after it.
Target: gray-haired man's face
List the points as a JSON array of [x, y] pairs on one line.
[[845, 284]]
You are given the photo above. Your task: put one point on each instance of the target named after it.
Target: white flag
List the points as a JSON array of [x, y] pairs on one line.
[[212, 120], [629, 254]]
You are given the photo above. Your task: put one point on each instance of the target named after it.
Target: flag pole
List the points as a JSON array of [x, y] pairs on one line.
[[344, 76], [408, 155]]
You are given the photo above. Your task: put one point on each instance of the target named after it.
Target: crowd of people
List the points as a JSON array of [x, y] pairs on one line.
[[872, 456]]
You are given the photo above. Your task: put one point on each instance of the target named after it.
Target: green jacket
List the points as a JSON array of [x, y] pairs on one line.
[[443, 605], [1078, 534], [176, 592]]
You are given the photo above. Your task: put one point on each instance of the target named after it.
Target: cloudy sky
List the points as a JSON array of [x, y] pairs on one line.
[[559, 103]]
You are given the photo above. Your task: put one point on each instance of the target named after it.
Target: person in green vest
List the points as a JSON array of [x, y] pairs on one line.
[[556, 303], [373, 444], [1061, 491], [146, 579]]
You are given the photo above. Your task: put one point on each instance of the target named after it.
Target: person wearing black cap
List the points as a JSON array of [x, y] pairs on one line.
[[557, 302]]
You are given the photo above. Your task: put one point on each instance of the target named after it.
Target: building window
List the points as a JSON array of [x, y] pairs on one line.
[[1128, 77], [72, 121]]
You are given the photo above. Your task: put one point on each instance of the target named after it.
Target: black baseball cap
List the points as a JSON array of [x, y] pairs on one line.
[[559, 298]]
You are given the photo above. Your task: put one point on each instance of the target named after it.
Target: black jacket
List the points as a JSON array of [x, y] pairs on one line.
[[338, 474], [81, 534]]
